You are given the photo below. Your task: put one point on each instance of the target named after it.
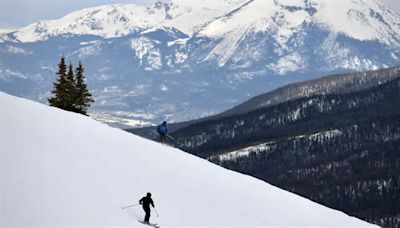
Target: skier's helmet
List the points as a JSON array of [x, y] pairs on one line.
[[148, 194]]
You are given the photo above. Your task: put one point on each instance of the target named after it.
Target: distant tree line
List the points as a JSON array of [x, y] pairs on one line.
[[70, 91]]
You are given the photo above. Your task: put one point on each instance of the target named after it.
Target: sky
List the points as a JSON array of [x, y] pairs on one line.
[[19, 13]]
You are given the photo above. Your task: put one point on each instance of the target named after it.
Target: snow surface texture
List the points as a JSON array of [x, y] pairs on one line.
[[64, 169]]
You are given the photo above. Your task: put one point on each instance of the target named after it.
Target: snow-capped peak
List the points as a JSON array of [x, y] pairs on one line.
[[282, 20], [359, 19], [118, 20], [106, 21]]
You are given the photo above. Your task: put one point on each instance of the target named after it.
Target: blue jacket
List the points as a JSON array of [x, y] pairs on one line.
[[162, 129]]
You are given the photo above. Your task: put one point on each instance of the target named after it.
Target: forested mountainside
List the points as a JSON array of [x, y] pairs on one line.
[[297, 117], [338, 83], [339, 150]]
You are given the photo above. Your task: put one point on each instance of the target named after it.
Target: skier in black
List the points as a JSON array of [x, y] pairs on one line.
[[146, 201]]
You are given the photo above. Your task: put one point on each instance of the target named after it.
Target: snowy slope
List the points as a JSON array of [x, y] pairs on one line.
[[289, 21], [64, 169], [362, 20]]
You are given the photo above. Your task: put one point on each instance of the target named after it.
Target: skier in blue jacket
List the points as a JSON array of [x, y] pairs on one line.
[[162, 130]]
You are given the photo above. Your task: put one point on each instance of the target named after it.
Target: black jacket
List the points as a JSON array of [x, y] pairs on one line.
[[146, 201]]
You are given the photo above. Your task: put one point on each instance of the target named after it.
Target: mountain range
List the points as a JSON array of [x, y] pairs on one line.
[[180, 60]]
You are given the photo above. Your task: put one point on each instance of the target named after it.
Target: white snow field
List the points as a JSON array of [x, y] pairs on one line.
[[60, 169]]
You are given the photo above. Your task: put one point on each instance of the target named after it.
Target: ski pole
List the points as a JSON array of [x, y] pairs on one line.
[[169, 136], [133, 205], [155, 211]]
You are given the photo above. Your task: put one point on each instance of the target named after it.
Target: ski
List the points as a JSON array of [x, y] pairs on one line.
[[155, 225]]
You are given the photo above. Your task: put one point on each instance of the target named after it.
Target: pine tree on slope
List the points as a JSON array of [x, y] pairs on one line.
[[58, 98], [83, 96], [70, 89]]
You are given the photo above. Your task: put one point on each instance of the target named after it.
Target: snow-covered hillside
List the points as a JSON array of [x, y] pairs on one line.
[[64, 169]]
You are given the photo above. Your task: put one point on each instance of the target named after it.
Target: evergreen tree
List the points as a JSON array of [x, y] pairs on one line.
[[83, 96], [59, 91], [70, 89]]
